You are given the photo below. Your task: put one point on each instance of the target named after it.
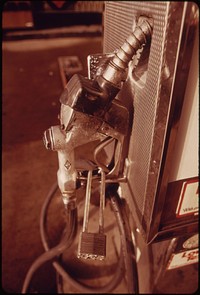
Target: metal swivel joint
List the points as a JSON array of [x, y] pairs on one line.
[[94, 97], [114, 72]]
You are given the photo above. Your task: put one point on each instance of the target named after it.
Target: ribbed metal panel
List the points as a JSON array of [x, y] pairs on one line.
[[120, 18], [149, 127]]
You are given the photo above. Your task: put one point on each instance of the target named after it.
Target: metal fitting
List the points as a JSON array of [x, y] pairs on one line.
[[118, 64], [69, 203], [54, 138]]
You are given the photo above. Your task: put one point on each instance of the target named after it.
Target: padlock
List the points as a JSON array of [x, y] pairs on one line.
[[93, 245]]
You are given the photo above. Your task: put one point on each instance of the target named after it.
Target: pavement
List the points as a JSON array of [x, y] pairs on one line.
[[32, 86]]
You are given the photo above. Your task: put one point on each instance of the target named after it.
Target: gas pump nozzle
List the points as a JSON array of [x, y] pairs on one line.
[[89, 112]]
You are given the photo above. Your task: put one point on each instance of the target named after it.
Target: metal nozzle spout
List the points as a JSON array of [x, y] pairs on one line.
[[47, 139], [54, 138]]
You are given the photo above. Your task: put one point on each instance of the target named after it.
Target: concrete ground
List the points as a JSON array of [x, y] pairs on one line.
[[31, 89]]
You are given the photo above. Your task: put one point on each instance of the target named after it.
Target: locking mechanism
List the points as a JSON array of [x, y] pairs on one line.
[[93, 245], [91, 113]]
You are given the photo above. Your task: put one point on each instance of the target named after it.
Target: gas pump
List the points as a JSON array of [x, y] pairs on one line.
[[162, 186]]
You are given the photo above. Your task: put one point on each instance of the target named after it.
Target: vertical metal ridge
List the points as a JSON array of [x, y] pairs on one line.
[[120, 18]]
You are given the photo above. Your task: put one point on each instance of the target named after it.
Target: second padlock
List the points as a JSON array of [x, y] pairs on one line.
[[93, 245]]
